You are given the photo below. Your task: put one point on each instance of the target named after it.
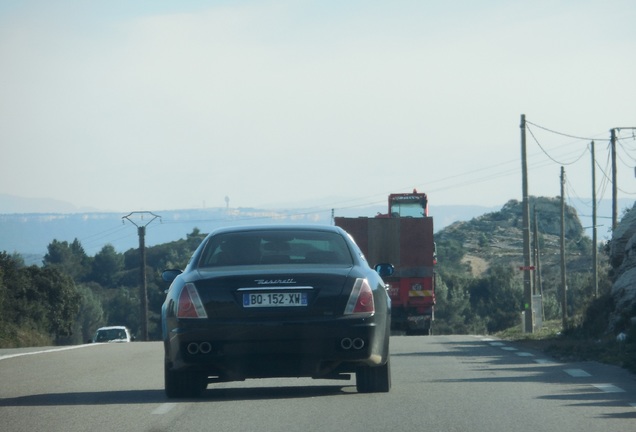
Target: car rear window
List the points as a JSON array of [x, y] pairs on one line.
[[275, 247], [105, 335]]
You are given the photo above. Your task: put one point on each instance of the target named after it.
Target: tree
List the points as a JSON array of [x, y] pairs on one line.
[[37, 300], [91, 315], [453, 314], [123, 308], [497, 298], [68, 258], [21, 305], [58, 295], [107, 266]]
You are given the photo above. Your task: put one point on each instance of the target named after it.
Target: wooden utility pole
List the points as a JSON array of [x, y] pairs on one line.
[[594, 235], [564, 298], [143, 288], [527, 279], [614, 185], [141, 232]]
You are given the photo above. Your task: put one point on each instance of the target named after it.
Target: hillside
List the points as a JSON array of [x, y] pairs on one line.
[[496, 239]]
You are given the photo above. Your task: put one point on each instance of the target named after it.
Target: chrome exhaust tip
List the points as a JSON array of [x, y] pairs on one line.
[[346, 343], [205, 347], [358, 343]]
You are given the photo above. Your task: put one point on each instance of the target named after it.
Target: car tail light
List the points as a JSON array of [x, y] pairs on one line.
[[361, 299], [190, 305]]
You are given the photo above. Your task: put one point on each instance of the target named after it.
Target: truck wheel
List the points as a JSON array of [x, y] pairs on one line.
[[374, 379], [183, 384]]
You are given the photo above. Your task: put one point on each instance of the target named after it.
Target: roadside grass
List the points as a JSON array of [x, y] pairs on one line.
[[12, 336], [572, 345]]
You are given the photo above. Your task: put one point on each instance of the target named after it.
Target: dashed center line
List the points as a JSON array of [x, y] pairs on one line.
[[164, 408], [608, 388], [576, 373]]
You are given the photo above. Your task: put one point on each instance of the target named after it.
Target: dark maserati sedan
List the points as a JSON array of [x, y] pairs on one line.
[[276, 301]]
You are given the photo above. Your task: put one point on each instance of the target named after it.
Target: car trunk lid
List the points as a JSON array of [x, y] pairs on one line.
[[277, 291]]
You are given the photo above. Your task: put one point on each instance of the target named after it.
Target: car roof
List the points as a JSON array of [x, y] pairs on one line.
[[278, 227], [112, 328]]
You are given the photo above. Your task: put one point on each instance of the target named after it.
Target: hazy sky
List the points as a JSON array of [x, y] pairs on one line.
[[156, 105]]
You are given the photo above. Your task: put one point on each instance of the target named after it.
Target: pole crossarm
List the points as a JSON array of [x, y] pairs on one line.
[[128, 217]]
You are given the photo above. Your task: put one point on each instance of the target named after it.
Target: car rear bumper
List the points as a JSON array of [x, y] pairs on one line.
[[287, 349]]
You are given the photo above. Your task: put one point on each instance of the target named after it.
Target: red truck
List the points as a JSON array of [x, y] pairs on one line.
[[402, 237]]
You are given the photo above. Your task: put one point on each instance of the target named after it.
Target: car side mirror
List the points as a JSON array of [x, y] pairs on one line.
[[384, 269], [170, 275]]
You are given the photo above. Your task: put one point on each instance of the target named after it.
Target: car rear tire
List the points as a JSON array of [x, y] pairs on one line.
[[183, 384], [374, 379]]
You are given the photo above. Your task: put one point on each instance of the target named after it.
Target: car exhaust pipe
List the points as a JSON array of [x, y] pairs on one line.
[[205, 347], [346, 343], [193, 348], [358, 343]]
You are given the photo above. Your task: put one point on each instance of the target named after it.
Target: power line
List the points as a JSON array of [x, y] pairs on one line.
[[561, 133], [627, 154], [549, 156], [605, 181]]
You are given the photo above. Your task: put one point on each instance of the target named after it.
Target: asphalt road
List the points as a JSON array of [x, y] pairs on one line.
[[440, 383]]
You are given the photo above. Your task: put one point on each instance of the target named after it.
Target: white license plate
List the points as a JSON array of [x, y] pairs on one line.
[[275, 299]]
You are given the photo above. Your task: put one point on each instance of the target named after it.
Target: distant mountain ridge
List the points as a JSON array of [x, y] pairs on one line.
[[13, 204], [29, 233]]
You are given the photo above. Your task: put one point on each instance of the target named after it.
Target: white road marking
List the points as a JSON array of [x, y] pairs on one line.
[[576, 373], [164, 408], [609, 388], [4, 357]]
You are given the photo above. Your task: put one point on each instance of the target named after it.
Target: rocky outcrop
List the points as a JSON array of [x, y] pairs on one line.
[[623, 261]]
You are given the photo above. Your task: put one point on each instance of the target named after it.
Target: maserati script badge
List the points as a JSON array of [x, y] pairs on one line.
[[275, 281]]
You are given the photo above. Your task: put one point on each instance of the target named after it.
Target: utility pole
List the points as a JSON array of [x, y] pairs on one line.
[[614, 185], [594, 235], [564, 312], [143, 288], [527, 279]]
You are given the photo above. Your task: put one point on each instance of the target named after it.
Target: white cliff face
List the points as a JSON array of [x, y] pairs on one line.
[[623, 260]]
